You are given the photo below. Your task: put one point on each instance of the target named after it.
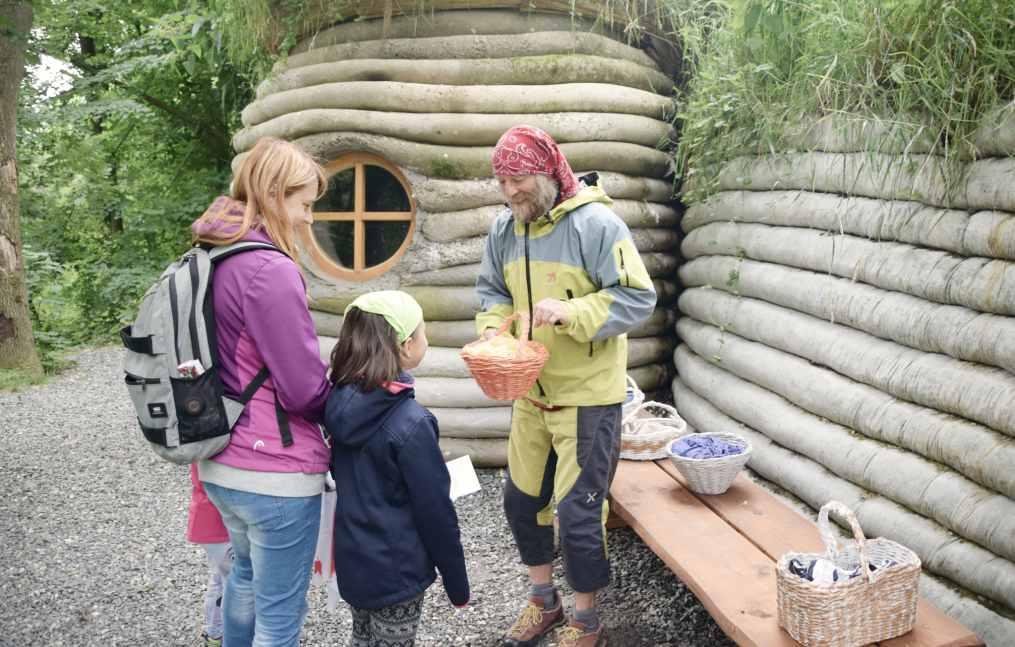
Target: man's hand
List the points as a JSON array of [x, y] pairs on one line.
[[549, 312]]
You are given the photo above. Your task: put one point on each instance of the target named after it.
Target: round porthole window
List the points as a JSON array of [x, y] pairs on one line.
[[364, 221]]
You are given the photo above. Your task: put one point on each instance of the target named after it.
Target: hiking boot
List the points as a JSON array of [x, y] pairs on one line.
[[208, 641], [534, 623], [576, 635]]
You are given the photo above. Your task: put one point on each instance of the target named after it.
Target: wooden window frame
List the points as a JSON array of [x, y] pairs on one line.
[[359, 216]]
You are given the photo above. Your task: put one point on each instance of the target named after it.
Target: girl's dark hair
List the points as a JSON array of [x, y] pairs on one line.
[[367, 352]]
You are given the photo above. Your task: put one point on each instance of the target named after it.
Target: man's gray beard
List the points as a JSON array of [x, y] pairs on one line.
[[542, 201]]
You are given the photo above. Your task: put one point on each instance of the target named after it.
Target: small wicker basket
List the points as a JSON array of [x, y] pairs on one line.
[[713, 475], [507, 378], [647, 431], [871, 607]]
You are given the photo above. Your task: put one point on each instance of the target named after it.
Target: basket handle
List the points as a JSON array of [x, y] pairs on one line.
[[633, 386], [524, 318], [631, 383], [828, 536]]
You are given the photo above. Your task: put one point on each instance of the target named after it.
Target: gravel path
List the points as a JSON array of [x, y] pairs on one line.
[[93, 552]]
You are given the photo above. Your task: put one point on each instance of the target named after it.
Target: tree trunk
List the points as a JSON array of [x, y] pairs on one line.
[[17, 348]]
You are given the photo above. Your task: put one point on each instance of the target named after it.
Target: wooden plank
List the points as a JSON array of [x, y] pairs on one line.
[[767, 522], [732, 578], [934, 629], [614, 521], [775, 529]]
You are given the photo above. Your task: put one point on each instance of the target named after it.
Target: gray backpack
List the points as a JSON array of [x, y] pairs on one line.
[[172, 363]]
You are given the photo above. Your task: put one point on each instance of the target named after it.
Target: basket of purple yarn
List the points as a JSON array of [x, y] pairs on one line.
[[710, 461]]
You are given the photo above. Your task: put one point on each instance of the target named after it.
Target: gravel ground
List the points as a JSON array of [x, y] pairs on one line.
[[93, 549]]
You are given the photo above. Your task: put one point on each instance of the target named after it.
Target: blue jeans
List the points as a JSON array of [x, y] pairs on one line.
[[273, 541]]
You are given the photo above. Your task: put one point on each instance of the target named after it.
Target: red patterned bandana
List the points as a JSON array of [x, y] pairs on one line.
[[526, 150]]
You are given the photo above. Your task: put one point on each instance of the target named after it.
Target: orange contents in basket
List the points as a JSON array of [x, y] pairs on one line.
[[504, 367]]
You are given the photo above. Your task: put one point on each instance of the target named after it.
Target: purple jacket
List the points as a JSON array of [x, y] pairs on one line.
[[261, 318]]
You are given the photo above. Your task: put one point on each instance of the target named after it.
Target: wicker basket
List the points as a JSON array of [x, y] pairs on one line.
[[713, 475], [647, 431], [511, 378], [870, 607]]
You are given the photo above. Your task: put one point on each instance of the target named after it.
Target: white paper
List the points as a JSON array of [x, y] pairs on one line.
[[463, 477]]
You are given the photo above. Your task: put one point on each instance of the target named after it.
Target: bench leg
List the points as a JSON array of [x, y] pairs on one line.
[[614, 521]]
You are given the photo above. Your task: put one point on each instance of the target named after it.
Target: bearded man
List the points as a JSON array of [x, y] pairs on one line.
[[560, 254]]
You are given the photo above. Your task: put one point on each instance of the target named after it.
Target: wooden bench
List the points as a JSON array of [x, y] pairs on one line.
[[725, 547]]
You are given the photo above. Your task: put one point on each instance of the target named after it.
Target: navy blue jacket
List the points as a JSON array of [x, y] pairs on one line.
[[394, 520]]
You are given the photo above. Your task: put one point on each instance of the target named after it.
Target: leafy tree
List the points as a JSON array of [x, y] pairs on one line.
[[118, 164]]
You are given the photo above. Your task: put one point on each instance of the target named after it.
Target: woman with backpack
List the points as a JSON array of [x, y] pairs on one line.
[[267, 482]]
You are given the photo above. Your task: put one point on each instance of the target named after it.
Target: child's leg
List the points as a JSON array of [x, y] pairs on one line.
[[219, 562], [220, 558], [396, 626], [360, 628]]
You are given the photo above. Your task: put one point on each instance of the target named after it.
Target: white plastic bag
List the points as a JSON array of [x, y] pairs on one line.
[[324, 563]]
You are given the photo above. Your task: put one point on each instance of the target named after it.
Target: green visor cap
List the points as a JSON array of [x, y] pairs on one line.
[[399, 309]]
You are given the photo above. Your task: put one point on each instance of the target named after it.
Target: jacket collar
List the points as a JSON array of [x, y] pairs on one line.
[[546, 222]]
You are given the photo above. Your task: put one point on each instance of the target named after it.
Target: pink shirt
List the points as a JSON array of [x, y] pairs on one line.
[[204, 523]]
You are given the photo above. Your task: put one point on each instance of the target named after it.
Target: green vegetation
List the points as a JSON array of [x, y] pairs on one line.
[[441, 167], [118, 153], [261, 32], [759, 68], [15, 380]]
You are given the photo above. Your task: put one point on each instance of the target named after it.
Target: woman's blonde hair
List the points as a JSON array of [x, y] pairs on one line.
[[273, 170]]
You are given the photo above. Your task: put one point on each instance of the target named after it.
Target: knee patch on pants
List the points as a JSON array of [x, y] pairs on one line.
[[530, 519], [583, 541]]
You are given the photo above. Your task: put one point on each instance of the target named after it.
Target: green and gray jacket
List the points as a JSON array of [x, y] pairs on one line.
[[580, 252]]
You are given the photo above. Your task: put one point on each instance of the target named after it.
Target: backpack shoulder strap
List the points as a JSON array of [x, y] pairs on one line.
[[221, 252], [281, 417], [254, 385]]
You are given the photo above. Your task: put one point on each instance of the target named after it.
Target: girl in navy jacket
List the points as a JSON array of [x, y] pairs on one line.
[[394, 520]]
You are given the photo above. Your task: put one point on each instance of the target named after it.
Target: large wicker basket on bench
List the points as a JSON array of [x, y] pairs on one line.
[[871, 607], [507, 378]]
